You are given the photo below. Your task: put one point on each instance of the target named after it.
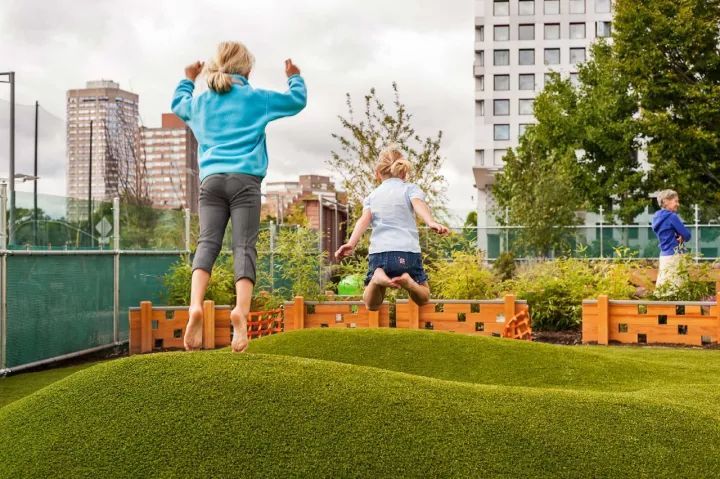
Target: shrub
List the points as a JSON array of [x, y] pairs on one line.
[[505, 266], [221, 288], [696, 283], [464, 277], [555, 289]]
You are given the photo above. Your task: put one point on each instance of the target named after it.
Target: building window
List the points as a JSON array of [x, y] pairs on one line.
[[501, 132], [522, 128], [552, 31], [479, 157], [577, 55], [480, 83], [577, 6], [498, 156], [551, 7], [574, 79], [527, 56], [577, 31], [501, 33], [501, 8], [552, 56], [501, 82], [526, 32], [501, 57], [602, 6], [480, 33], [480, 108], [527, 81], [526, 106], [603, 29], [480, 59], [501, 107], [526, 7]]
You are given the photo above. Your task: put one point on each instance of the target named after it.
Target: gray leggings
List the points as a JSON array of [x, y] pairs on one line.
[[229, 196]]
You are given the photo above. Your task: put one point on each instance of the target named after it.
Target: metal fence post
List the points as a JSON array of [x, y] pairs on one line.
[[187, 230], [3, 276], [116, 270], [697, 232], [602, 220], [272, 256]]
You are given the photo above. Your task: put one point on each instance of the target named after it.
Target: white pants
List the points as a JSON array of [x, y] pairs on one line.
[[668, 273]]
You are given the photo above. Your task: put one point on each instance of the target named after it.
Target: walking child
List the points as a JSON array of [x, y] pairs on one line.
[[394, 260], [229, 121]]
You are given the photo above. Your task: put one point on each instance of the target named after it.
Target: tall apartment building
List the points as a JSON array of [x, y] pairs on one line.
[[114, 116], [171, 164], [517, 44]]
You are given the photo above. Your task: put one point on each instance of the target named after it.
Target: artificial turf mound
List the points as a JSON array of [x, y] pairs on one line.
[[376, 404]]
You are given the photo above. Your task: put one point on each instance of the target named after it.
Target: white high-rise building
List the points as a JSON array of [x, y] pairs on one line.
[[517, 44]]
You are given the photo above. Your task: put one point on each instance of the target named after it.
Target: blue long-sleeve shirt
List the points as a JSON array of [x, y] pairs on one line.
[[230, 127], [668, 226]]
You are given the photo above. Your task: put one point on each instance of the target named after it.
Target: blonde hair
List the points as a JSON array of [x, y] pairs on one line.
[[665, 195], [231, 57], [392, 163]]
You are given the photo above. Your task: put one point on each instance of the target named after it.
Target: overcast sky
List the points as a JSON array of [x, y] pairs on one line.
[[340, 45]]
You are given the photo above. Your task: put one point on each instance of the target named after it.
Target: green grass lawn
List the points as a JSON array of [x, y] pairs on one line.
[[375, 403], [15, 387]]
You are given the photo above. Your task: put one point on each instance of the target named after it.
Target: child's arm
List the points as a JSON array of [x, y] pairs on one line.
[[423, 211], [360, 227], [290, 102], [182, 99]]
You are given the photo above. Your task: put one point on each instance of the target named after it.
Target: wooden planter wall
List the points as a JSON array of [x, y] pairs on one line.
[[158, 328], [503, 318], [607, 321]]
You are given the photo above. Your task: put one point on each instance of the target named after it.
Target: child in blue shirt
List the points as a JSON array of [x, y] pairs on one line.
[[229, 122], [394, 260]]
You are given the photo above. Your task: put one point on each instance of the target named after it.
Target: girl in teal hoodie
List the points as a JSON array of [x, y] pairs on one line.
[[229, 121]]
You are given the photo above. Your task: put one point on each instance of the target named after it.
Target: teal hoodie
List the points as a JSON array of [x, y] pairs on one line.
[[230, 127]]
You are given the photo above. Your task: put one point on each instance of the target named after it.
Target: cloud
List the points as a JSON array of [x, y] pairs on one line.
[[341, 46]]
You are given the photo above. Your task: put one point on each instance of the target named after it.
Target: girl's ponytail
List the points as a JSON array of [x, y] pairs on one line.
[[392, 163], [231, 57]]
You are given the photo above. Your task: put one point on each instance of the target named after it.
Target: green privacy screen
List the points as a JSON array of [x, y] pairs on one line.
[[141, 280], [57, 305]]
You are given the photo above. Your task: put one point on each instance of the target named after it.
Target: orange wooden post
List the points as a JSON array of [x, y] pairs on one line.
[[145, 326], [509, 309], [603, 318], [414, 313], [374, 319], [299, 312], [717, 308], [208, 337]]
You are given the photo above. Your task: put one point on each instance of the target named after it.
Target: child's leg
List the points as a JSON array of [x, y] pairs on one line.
[[239, 314], [420, 293], [214, 214], [245, 214], [374, 293]]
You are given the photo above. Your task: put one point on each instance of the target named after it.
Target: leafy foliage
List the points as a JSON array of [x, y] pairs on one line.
[[463, 278], [366, 137]]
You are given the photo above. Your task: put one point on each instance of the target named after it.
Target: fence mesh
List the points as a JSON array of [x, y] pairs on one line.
[[141, 279], [57, 305]]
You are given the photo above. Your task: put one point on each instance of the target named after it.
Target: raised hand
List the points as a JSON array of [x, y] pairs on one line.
[[193, 70], [290, 68]]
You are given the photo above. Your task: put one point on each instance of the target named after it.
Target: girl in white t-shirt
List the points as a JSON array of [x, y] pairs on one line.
[[394, 260]]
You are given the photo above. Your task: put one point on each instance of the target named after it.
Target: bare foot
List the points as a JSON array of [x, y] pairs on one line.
[[379, 278], [193, 331], [418, 292], [240, 337]]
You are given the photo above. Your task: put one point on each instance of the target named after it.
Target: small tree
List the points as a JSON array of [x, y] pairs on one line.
[[366, 137]]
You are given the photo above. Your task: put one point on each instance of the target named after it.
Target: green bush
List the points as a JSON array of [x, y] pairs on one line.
[[696, 283], [221, 288], [464, 277], [555, 289], [504, 266]]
